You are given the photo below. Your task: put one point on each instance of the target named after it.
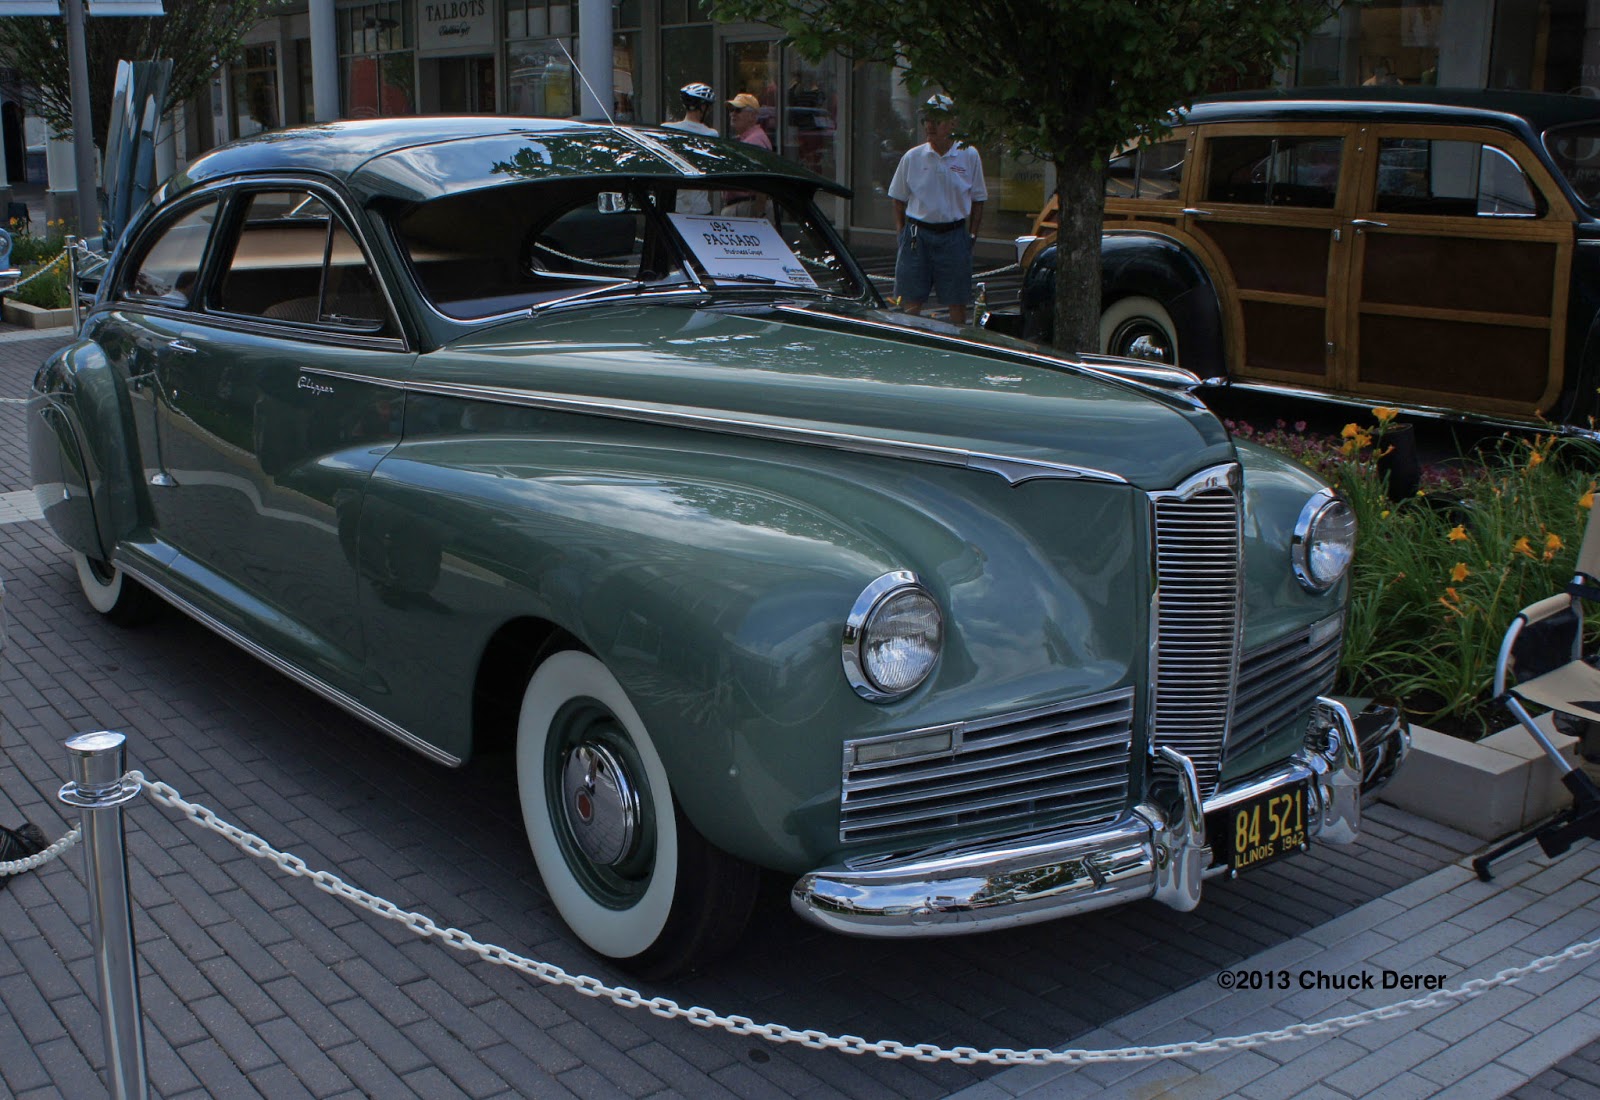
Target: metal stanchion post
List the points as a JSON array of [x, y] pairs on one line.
[[98, 761], [72, 283]]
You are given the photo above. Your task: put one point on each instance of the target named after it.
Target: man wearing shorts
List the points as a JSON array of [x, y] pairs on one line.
[[938, 192]]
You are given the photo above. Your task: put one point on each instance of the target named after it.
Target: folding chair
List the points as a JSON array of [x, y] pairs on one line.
[[1543, 650]]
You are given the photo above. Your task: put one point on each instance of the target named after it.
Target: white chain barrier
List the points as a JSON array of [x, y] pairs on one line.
[[39, 859], [667, 1008], [25, 281]]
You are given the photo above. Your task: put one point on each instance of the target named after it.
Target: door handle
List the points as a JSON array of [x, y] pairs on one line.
[[1368, 222], [182, 345], [1195, 212]]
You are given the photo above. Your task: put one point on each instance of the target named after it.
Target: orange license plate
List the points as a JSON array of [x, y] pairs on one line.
[[1261, 830]]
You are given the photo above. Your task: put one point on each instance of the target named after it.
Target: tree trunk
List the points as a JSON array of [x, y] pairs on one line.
[[1080, 189]]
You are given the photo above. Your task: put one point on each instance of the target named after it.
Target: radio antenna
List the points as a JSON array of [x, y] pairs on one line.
[[579, 70]]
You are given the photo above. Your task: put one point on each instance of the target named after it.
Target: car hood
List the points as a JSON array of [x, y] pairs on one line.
[[803, 373]]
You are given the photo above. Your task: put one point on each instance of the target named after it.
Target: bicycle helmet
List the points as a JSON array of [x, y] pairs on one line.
[[697, 97]]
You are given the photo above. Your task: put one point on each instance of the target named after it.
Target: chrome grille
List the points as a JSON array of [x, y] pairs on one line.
[[1279, 681], [1197, 624], [1056, 765]]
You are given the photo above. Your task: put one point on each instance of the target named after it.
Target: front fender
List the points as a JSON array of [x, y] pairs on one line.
[[713, 577], [83, 451]]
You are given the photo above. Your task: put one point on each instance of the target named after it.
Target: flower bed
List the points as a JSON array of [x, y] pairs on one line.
[[1440, 573]]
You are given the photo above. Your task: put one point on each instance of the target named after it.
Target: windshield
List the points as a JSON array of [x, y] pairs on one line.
[[484, 253], [1576, 151]]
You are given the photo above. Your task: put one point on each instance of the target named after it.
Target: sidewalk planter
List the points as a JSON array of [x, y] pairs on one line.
[[1488, 789], [21, 313]]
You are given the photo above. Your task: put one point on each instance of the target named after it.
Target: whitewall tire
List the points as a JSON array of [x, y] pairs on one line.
[[625, 869], [1139, 328], [113, 593]]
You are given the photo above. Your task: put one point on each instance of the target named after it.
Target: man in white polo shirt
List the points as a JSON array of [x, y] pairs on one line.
[[938, 192]]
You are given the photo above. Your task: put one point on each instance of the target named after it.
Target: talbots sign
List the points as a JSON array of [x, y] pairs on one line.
[[454, 25]]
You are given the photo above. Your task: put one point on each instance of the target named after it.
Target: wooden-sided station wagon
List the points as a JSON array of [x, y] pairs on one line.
[[1432, 249], [595, 445]]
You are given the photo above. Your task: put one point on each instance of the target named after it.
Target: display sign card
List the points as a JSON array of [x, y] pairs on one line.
[[731, 247]]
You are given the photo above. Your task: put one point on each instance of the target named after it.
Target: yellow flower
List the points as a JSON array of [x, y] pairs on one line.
[[1384, 414], [1587, 499], [1460, 572], [1534, 459], [1384, 514], [1521, 547], [1458, 533], [1451, 600], [1552, 543], [1349, 431]]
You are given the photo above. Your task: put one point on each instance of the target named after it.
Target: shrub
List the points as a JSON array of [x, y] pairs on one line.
[[1439, 575], [29, 253]]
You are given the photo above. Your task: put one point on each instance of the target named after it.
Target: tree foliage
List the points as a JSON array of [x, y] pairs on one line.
[[1067, 81], [198, 35]]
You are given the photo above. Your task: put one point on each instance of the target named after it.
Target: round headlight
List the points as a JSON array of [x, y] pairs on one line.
[[1324, 541], [892, 637]]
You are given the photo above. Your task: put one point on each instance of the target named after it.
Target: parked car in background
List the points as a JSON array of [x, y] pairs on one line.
[[1432, 249], [460, 424]]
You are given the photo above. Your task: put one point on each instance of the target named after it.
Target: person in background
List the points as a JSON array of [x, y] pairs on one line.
[[938, 191], [697, 101], [745, 117]]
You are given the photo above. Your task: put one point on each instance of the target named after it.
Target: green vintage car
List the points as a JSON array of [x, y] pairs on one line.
[[596, 441]]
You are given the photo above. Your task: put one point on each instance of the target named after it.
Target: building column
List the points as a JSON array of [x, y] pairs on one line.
[[595, 59], [324, 61]]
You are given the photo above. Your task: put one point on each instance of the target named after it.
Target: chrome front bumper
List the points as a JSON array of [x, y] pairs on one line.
[[1149, 852]]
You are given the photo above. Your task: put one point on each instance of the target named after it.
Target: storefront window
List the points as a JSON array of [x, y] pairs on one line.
[[1553, 46], [624, 70], [686, 54], [884, 126], [255, 90], [1385, 42], [542, 81], [377, 60], [811, 114]]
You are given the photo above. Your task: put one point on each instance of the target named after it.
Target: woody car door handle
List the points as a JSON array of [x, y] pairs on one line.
[[182, 346], [1368, 223]]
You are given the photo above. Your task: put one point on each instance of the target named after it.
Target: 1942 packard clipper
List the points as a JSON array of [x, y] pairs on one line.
[[472, 428]]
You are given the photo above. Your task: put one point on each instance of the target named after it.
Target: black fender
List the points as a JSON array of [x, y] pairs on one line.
[[1138, 263]]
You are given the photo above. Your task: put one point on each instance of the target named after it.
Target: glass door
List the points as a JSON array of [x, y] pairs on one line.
[[799, 104]]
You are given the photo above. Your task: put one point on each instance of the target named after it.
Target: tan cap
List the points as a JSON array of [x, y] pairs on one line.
[[743, 100]]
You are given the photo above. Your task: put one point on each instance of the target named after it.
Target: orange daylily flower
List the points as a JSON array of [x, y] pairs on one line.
[[1350, 431], [1383, 414], [1552, 543], [1522, 546], [1458, 533], [1587, 499], [1460, 572]]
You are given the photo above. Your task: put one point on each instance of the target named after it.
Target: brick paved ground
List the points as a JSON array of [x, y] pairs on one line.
[[258, 984]]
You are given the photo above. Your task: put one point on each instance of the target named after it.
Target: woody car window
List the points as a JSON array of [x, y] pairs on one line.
[[169, 267], [294, 260], [1452, 178], [1148, 172], [1274, 171]]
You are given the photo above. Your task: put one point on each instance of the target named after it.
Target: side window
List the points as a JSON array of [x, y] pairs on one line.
[[1451, 178], [168, 269], [600, 238], [1148, 172], [295, 260], [1274, 171]]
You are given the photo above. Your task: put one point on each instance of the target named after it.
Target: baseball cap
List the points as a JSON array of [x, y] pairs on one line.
[[743, 100], [939, 104]]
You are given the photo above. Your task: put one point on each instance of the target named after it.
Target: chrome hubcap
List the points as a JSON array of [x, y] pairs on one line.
[[1146, 347], [600, 803]]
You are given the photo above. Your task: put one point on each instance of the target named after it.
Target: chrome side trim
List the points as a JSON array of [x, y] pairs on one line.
[[294, 672], [1014, 470], [1168, 381]]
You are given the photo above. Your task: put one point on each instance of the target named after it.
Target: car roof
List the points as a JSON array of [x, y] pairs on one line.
[[1536, 111], [421, 157]]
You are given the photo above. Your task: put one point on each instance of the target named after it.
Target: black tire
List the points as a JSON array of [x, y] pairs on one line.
[[624, 867], [113, 593]]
